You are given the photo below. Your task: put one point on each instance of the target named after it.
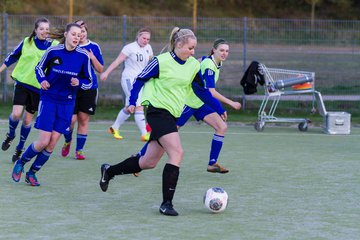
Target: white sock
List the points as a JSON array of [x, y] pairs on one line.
[[140, 122], [120, 119]]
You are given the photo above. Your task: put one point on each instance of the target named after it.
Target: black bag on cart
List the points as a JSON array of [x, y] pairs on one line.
[[252, 77]]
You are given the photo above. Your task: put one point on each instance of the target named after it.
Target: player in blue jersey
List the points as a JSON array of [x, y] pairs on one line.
[[210, 69], [62, 70], [26, 91], [166, 80], [86, 100]]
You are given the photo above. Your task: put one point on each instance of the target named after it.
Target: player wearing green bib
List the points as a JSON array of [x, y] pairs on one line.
[[167, 80], [210, 70], [26, 94]]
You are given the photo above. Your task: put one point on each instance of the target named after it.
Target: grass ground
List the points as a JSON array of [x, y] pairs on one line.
[[283, 184]]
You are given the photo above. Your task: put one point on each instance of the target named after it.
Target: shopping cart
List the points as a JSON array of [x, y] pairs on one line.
[[279, 82]]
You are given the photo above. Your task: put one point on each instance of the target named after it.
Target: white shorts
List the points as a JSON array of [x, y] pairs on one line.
[[126, 84]]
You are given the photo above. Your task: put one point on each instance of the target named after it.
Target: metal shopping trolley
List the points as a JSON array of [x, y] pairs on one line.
[[280, 82]]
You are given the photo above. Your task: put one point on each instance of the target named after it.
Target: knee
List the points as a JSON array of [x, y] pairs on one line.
[[177, 157], [16, 115], [150, 165], [83, 124], [27, 121], [145, 163], [49, 148], [221, 128], [42, 143], [180, 153]]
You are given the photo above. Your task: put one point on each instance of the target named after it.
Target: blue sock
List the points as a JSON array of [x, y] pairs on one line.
[[80, 141], [29, 154], [12, 126], [24, 133], [40, 160], [68, 136], [143, 150], [216, 146]]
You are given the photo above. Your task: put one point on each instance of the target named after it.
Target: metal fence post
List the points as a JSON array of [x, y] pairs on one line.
[[124, 30], [244, 44], [4, 52], [244, 58], [124, 36]]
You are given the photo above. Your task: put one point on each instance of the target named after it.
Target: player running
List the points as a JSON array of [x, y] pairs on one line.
[[166, 80], [26, 93], [61, 71], [86, 100], [135, 56], [210, 70]]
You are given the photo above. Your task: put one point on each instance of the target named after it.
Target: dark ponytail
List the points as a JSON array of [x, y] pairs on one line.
[[37, 23], [58, 33], [216, 44]]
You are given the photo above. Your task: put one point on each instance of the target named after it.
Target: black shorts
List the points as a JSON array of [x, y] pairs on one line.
[[86, 101], [26, 97], [161, 122]]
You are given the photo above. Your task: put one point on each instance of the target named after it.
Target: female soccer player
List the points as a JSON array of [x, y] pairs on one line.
[[172, 75], [136, 56], [210, 69], [85, 104], [26, 94], [61, 71]]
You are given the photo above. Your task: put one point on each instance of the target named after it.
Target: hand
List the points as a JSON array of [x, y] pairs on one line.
[[224, 116], [130, 109], [45, 85], [236, 105], [74, 82], [104, 76], [90, 53]]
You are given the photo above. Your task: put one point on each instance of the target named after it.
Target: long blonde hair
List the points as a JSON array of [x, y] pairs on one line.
[[178, 35]]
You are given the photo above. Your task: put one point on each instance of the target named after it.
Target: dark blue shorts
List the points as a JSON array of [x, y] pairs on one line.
[[199, 114], [54, 116]]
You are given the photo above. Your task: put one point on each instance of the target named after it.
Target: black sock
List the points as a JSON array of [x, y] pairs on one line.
[[129, 165], [169, 181]]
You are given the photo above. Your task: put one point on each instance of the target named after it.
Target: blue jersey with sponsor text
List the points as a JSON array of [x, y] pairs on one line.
[[58, 66]]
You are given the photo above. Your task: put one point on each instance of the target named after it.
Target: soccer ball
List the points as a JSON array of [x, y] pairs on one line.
[[216, 199]]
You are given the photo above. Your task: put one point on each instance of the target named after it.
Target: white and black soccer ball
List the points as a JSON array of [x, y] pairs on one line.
[[216, 199]]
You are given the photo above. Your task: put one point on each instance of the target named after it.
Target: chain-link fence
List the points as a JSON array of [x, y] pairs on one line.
[[330, 48]]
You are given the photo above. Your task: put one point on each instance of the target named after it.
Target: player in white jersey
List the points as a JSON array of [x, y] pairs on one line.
[[135, 56]]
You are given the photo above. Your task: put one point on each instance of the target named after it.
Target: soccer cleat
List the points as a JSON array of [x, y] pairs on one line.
[[217, 168], [104, 181], [31, 179], [65, 149], [115, 133], [17, 155], [167, 209], [79, 155], [145, 137], [6, 143], [17, 170]]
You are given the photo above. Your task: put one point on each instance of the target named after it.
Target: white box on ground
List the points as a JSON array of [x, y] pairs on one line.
[[334, 122], [337, 123]]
